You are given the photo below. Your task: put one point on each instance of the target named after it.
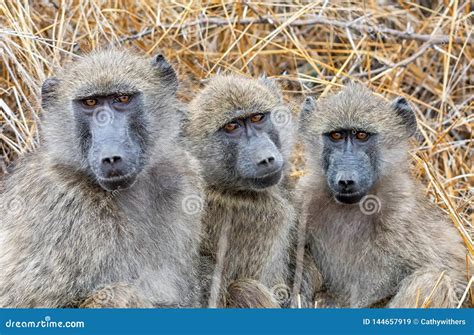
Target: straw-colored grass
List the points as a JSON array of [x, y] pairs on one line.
[[424, 54]]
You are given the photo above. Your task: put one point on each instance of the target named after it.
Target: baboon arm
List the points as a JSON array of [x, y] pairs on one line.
[[428, 288]]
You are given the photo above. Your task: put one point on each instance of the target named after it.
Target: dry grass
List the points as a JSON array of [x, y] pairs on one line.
[[396, 47]]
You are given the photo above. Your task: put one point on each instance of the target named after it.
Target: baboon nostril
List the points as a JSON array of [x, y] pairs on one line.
[[266, 161], [346, 183], [111, 160], [116, 159]]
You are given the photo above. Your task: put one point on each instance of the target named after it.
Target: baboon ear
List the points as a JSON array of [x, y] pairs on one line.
[[271, 84], [48, 91], [307, 108], [166, 71], [403, 109]]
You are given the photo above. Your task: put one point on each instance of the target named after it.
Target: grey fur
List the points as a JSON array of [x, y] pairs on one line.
[[247, 231], [394, 250], [64, 240]]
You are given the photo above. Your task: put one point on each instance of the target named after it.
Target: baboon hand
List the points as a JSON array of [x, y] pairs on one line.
[[248, 293]]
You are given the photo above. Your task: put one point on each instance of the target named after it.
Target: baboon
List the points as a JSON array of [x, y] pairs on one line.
[[242, 133], [97, 216], [374, 237]]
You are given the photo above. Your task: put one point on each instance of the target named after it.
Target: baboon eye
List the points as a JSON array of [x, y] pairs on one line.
[[124, 99], [231, 126], [336, 135], [89, 102], [257, 118], [362, 135]]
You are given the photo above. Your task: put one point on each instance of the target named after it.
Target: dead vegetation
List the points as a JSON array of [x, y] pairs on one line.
[[422, 50]]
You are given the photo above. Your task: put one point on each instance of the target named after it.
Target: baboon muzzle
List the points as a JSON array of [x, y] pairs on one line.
[[260, 161], [114, 156]]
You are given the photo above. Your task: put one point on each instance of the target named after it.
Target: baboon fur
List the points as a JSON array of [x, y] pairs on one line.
[[247, 293], [402, 250], [246, 232], [64, 239]]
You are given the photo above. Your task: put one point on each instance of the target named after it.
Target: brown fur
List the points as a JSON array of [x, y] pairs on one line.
[[246, 232], [256, 231], [398, 252], [246, 293], [64, 239], [226, 98]]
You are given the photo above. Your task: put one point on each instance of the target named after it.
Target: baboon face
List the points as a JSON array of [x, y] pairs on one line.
[[354, 138], [101, 111], [111, 139], [235, 135], [350, 163], [252, 148]]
